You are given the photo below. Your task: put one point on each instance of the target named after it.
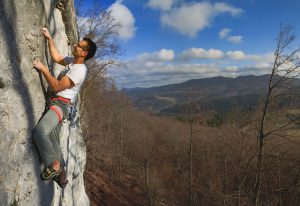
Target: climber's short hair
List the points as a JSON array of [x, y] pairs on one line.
[[91, 48]]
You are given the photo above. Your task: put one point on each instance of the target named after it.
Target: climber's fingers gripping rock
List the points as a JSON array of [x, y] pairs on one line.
[[38, 64], [46, 33]]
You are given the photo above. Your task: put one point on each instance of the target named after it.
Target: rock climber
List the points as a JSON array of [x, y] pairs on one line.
[[65, 89]]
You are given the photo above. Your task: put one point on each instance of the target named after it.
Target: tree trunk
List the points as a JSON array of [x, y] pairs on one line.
[[279, 182], [225, 181], [191, 164], [120, 145], [261, 137], [147, 181], [257, 185]]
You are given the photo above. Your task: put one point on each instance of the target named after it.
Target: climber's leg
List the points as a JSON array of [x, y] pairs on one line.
[[41, 137], [55, 139]]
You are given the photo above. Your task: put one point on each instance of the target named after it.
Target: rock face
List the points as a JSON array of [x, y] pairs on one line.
[[22, 103]]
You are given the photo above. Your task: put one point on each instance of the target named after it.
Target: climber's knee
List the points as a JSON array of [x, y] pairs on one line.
[[39, 133]]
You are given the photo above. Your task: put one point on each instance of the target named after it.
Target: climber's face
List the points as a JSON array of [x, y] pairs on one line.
[[80, 49]]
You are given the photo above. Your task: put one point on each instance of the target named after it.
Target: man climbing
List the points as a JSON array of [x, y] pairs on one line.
[[65, 88]]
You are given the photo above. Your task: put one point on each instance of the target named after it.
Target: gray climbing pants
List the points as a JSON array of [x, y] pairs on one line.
[[46, 137]]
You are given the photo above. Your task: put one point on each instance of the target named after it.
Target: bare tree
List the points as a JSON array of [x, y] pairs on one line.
[[101, 27], [238, 151], [192, 116], [119, 103], [285, 68]]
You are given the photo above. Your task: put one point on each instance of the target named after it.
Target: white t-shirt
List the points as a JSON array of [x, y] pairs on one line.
[[77, 73]]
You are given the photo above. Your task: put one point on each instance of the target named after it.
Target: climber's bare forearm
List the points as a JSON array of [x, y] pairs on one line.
[[56, 56], [55, 85]]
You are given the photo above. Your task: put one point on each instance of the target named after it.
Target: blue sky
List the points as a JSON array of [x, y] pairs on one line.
[[171, 41]]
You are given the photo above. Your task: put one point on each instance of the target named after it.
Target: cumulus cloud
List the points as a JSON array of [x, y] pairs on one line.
[[164, 67], [225, 8], [145, 74], [237, 55], [268, 58], [125, 18], [256, 69], [150, 73], [199, 53], [162, 55], [161, 5], [232, 69], [189, 19], [235, 39], [166, 55], [215, 54], [225, 34]]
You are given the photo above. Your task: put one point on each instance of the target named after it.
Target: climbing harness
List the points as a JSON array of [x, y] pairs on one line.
[[67, 107], [62, 103]]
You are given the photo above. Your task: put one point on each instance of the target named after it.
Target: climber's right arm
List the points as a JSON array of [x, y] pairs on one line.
[[56, 56], [55, 85]]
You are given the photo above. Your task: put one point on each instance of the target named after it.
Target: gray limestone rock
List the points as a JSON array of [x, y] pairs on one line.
[[22, 104]]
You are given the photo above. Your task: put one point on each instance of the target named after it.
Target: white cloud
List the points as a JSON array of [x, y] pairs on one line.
[[123, 16], [215, 54], [162, 55], [166, 55], [224, 33], [262, 66], [235, 39], [199, 53], [224, 8], [163, 5], [232, 69], [237, 55], [144, 74], [268, 58], [189, 19], [162, 67]]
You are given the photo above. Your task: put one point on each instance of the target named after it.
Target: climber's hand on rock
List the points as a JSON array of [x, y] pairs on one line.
[[38, 65], [46, 33]]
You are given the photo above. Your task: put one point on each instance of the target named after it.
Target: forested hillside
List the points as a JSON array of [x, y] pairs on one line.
[[149, 157], [220, 94], [232, 141]]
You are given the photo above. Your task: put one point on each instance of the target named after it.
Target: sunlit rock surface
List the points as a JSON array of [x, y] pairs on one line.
[[22, 104]]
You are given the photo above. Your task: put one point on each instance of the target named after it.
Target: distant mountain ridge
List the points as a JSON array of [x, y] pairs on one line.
[[220, 92]]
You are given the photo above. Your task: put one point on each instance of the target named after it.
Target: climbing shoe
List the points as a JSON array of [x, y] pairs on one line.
[[48, 173], [61, 179]]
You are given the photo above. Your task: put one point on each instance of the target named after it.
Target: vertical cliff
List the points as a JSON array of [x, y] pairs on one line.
[[22, 103]]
